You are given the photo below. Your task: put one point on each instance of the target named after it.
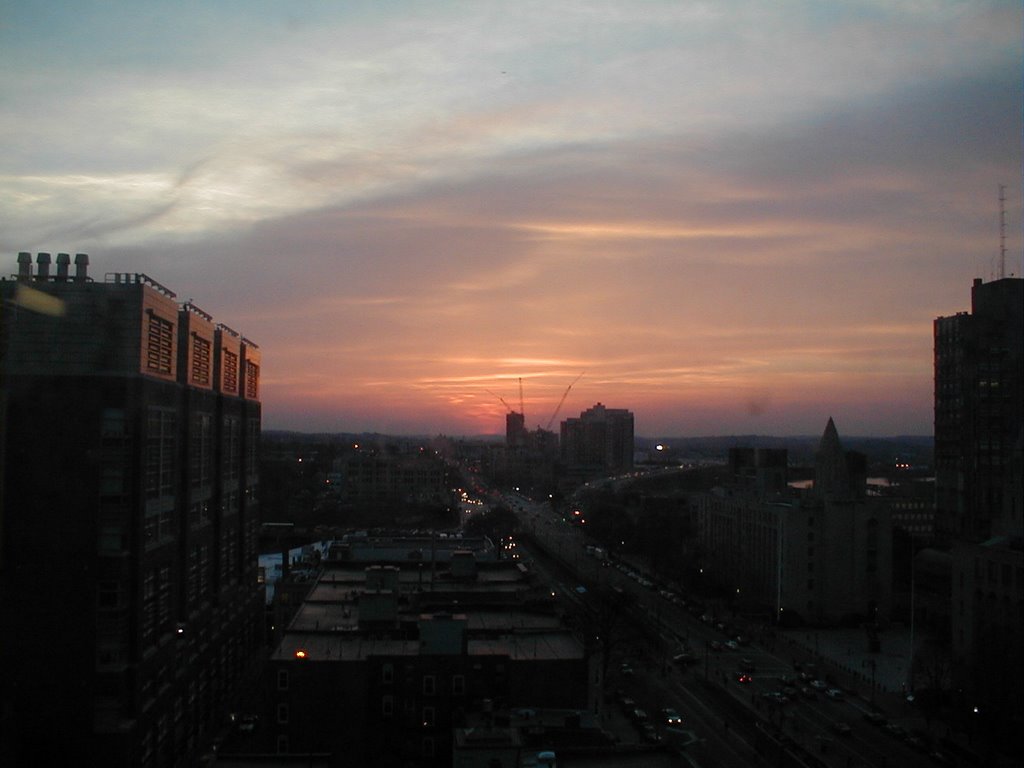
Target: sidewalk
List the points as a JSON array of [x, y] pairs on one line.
[[842, 655], [847, 650]]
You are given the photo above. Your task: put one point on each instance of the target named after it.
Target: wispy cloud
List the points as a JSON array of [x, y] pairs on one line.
[[731, 215]]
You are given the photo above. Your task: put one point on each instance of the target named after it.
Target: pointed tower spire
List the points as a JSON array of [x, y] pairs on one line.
[[830, 475]]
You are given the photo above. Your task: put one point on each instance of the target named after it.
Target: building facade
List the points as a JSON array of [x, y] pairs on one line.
[[129, 518], [820, 555]]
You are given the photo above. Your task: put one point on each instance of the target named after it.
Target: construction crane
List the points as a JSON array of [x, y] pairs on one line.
[[561, 402], [522, 410], [500, 398]]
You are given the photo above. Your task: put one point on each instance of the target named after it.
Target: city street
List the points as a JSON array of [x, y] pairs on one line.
[[732, 697]]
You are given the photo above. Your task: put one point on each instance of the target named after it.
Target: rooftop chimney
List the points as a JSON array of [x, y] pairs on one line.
[[63, 262], [81, 267], [43, 264], [24, 265]]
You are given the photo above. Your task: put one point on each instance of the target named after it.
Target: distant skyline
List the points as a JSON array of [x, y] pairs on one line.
[[731, 217]]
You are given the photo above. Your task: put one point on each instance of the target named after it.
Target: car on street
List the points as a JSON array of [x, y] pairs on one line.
[[732, 645], [671, 717], [894, 729], [639, 716], [744, 679], [843, 729], [835, 694], [875, 718], [649, 733], [819, 685], [916, 742]]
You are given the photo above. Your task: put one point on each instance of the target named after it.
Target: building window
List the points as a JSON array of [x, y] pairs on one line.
[[387, 705], [111, 531], [252, 380], [112, 424], [231, 448], [282, 744], [282, 679], [458, 684], [810, 584], [160, 450], [112, 481], [164, 598], [200, 361], [159, 344], [230, 377], [810, 535], [201, 454], [428, 747], [387, 674], [429, 685], [282, 713], [148, 623], [109, 595], [428, 717]]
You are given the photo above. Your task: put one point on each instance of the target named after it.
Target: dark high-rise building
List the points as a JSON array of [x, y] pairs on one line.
[[129, 519], [515, 429], [979, 496], [599, 442], [979, 397]]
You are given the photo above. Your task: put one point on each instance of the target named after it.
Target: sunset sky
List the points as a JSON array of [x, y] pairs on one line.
[[731, 217]]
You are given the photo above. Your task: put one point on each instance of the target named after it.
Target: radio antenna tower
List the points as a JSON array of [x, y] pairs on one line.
[[1002, 231]]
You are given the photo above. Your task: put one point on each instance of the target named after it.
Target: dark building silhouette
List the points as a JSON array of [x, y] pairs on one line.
[[515, 429], [129, 519], [979, 479], [598, 443], [979, 399]]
